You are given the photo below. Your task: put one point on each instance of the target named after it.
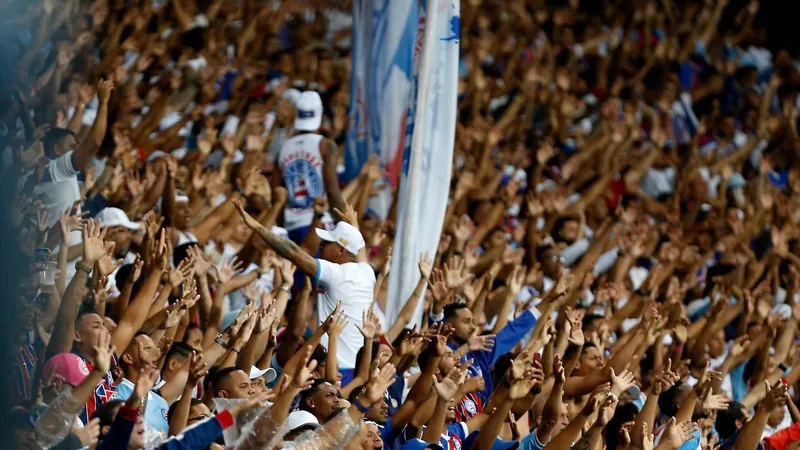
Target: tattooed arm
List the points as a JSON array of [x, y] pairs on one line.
[[283, 247]]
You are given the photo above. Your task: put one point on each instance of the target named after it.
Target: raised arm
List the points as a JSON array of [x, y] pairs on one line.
[[329, 175], [134, 317], [89, 147], [283, 247], [93, 249]]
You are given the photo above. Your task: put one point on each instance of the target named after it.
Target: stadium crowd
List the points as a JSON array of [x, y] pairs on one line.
[[619, 266]]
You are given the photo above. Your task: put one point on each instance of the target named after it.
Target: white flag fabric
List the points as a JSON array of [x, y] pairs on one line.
[[427, 165]]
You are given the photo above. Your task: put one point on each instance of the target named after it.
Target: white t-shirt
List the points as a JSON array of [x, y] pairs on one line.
[[353, 284], [59, 189]]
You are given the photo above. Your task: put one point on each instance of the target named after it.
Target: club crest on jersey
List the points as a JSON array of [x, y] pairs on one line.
[[303, 182]]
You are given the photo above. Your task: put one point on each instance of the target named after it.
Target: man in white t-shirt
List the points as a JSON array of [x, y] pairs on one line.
[[341, 272]]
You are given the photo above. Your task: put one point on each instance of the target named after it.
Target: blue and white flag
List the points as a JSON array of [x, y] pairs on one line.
[[427, 164], [384, 34]]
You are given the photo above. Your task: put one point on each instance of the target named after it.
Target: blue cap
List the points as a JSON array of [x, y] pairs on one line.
[[419, 444], [499, 444]]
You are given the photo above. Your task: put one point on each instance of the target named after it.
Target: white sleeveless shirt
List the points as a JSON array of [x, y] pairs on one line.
[[300, 162]]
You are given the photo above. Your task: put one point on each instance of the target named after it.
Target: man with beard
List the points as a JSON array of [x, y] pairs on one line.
[[464, 333], [143, 354], [321, 400]]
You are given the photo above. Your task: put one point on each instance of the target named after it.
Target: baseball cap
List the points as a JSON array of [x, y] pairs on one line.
[[309, 112], [419, 444], [269, 374], [301, 419], [115, 217], [498, 444], [69, 366], [345, 235]]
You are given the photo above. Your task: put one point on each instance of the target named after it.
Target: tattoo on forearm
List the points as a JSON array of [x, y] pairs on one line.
[[585, 443], [283, 247]]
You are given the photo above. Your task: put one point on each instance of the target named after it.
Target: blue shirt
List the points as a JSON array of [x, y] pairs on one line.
[[156, 410], [452, 439], [531, 442], [505, 340]]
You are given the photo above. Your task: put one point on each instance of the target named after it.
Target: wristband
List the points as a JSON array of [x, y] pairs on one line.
[[219, 341], [83, 267], [360, 406]]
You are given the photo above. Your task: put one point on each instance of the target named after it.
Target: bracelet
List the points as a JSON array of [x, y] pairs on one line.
[[219, 341], [285, 288], [235, 350], [360, 406], [83, 267]]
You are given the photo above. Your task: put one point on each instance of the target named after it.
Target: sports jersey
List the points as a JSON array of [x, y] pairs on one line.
[[300, 162], [104, 392]]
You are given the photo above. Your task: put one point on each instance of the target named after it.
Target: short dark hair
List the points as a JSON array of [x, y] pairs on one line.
[[452, 309], [726, 420], [53, 137], [178, 349], [315, 387], [191, 326], [171, 411], [667, 402], [180, 252], [222, 375], [500, 368]]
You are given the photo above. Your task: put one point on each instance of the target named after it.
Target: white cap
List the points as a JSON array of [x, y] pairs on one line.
[[309, 112], [115, 217], [269, 374], [301, 418], [345, 235]]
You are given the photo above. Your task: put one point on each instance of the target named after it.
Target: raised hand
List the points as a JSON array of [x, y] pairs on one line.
[[104, 89], [455, 273], [287, 270], [425, 266], [438, 287], [622, 382], [197, 369], [147, 379], [447, 388], [69, 223], [370, 324], [93, 246], [349, 214], [574, 326], [228, 269], [103, 353], [248, 219], [338, 325], [675, 435], [607, 409], [88, 434], [715, 402], [387, 265], [482, 343], [182, 272], [107, 264], [302, 378], [379, 382], [516, 280]]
